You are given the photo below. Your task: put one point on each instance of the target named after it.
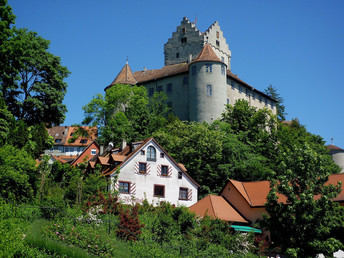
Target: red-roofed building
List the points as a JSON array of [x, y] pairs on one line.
[[147, 171], [197, 77], [337, 155]]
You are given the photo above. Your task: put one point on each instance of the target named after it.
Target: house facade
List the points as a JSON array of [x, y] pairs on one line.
[[147, 171], [197, 77]]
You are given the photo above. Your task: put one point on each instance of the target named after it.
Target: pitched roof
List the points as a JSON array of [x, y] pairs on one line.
[[65, 158], [333, 147], [77, 160], [207, 54], [62, 134], [255, 193], [217, 207], [125, 76]]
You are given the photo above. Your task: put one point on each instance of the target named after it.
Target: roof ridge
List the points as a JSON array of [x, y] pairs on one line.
[[246, 193]]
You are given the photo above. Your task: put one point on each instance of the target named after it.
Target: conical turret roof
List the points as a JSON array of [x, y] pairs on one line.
[[125, 76], [207, 54]]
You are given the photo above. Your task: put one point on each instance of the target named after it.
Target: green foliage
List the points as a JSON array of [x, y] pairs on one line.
[[32, 82], [126, 112], [272, 92], [303, 225], [17, 174]]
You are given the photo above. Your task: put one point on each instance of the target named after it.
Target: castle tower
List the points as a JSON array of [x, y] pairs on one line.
[[125, 76], [187, 42], [208, 86]]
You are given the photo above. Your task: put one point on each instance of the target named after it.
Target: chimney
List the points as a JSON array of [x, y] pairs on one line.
[[65, 132], [124, 144], [144, 70], [190, 58], [101, 149]]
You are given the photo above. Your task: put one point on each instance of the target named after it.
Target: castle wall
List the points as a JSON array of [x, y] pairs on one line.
[[206, 106], [338, 158]]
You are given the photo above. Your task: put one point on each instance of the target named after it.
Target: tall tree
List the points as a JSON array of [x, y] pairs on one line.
[[272, 92], [302, 226], [32, 82]]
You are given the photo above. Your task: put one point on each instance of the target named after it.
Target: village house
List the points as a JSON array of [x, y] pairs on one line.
[[146, 172]]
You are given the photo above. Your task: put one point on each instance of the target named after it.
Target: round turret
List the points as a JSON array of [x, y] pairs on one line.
[[208, 91]]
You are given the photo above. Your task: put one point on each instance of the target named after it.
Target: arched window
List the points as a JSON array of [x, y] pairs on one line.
[[151, 154]]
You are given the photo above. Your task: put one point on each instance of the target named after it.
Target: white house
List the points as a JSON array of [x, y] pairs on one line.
[[147, 171]]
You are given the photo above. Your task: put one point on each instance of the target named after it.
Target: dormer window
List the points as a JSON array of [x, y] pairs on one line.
[[83, 141], [151, 154], [58, 140], [183, 40]]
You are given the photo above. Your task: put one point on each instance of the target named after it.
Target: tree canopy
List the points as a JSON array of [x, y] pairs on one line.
[[272, 92]]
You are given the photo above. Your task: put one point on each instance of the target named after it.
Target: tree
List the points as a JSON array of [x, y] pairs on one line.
[[32, 80], [303, 224], [272, 92], [126, 112]]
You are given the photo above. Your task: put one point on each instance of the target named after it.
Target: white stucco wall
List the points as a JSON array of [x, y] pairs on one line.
[[142, 185]]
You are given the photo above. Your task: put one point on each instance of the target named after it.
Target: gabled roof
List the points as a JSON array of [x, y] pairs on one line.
[[93, 143], [125, 76], [217, 207], [207, 54], [128, 152], [65, 158], [255, 193], [62, 134], [103, 160]]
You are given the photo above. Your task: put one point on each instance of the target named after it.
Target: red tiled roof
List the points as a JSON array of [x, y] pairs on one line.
[[125, 76], [65, 159], [217, 207], [64, 134], [333, 147], [103, 160], [207, 54], [119, 158]]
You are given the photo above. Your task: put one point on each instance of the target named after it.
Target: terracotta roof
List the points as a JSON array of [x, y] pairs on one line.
[[182, 166], [65, 159], [94, 144], [255, 193], [333, 147], [59, 133], [125, 76], [168, 70], [217, 207], [103, 160], [118, 158], [92, 164], [207, 54], [62, 134]]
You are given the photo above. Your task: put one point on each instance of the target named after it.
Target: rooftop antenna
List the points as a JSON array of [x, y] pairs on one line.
[[196, 21], [126, 60], [332, 141]]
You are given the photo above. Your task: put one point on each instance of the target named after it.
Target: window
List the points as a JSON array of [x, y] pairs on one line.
[[150, 92], [66, 149], [247, 93], [83, 141], [142, 168], [183, 193], [124, 187], [223, 72], [217, 34], [151, 153], [266, 102], [185, 80], [253, 95], [193, 70], [217, 43], [240, 89], [180, 175], [164, 170], [227, 101], [233, 85], [159, 88], [93, 151], [208, 68], [159, 191], [183, 30], [71, 149], [222, 59], [57, 140], [183, 40], [260, 98], [209, 90], [162, 155], [142, 152], [177, 55], [169, 87]]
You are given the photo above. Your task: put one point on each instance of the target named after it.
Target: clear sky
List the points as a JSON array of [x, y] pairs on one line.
[[296, 46]]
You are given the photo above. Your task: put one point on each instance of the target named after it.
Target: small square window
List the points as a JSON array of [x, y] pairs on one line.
[[169, 87], [183, 193], [93, 151], [227, 101], [164, 170], [142, 168], [209, 90], [142, 152], [58, 140], [180, 175], [184, 40], [159, 88], [162, 155], [159, 191], [83, 141], [124, 187], [66, 149], [208, 68]]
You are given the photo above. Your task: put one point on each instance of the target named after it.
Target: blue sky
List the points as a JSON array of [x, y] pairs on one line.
[[297, 46]]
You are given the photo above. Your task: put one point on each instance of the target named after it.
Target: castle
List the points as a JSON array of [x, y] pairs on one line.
[[197, 76]]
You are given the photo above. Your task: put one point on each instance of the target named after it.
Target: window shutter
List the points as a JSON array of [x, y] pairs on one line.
[[133, 188], [189, 194]]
